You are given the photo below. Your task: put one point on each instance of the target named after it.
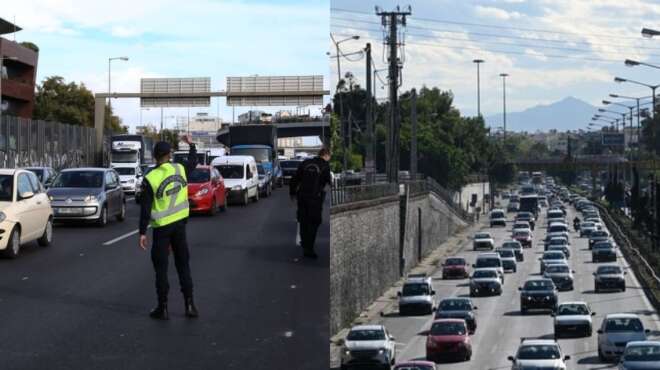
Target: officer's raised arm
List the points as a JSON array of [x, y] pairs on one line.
[[191, 163]]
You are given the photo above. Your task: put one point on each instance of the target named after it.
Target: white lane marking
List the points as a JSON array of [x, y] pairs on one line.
[[130, 199], [288, 334], [122, 237]]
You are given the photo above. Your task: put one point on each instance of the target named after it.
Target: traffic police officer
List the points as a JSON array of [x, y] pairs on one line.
[[164, 206]]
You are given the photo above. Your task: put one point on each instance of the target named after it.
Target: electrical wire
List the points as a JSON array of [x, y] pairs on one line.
[[435, 20], [426, 28], [511, 44]]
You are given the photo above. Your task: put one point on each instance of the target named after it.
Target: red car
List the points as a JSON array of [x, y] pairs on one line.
[[206, 190], [448, 339], [455, 267], [524, 237], [415, 365]]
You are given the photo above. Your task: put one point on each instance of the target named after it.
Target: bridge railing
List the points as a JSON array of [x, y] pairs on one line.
[[349, 194], [430, 185]]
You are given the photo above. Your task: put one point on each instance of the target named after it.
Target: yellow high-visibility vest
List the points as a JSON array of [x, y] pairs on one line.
[[170, 188]]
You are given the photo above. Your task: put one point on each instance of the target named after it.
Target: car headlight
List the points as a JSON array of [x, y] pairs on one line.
[[203, 191], [236, 188], [90, 198], [347, 352], [3, 216], [50, 197], [381, 351]]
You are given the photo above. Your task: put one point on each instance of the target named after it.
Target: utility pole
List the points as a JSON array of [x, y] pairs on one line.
[[369, 163], [504, 76], [392, 20], [413, 135]]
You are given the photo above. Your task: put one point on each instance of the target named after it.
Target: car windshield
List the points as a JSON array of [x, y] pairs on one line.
[[489, 262], [130, 156], [598, 234], [556, 269], [455, 305], [572, 309], [588, 224], [37, 171], [6, 188], [538, 352], [553, 256], [79, 179], [448, 328], [482, 236], [642, 353], [414, 289], [290, 164], [513, 245], [505, 252], [230, 171], [521, 226], [497, 215], [259, 154], [623, 324], [484, 274], [603, 245], [454, 262], [364, 334], [521, 234], [199, 175], [538, 285], [557, 228], [603, 270], [125, 170], [558, 241]]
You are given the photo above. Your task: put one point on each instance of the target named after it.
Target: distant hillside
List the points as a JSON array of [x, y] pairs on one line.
[[567, 114]]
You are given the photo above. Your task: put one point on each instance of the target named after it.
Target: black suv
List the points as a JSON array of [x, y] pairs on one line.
[[538, 293], [603, 251]]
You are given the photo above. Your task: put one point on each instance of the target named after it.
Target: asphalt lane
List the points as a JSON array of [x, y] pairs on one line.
[[499, 322], [80, 304]]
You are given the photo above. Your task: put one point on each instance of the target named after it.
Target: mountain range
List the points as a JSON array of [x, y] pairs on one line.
[[567, 114]]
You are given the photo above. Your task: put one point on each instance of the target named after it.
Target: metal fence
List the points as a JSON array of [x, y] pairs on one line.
[[349, 194], [25, 142], [430, 185]]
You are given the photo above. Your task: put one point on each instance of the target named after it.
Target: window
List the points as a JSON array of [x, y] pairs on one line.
[[79, 179], [448, 328], [6, 188], [231, 171], [411, 290], [366, 334], [24, 185], [199, 175], [36, 185], [125, 170], [110, 180]]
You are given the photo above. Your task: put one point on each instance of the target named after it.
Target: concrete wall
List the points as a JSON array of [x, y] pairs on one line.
[[365, 246]]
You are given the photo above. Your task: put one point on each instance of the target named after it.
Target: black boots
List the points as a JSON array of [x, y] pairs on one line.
[[160, 312], [191, 310]]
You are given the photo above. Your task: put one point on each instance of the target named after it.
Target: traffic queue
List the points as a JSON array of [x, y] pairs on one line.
[[35, 198], [622, 337]]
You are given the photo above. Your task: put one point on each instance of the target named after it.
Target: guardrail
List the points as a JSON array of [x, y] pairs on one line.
[[349, 194], [620, 234]]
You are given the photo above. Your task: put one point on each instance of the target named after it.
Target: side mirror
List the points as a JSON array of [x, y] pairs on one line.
[[593, 314], [475, 308], [26, 195], [566, 358], [510, 358], [392, 337], [398, 294], [520, 288], [599, 331], [647, 331], [573, 271], [433, 292]]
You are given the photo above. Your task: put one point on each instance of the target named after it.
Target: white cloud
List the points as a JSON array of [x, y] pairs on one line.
[[497, 13], [536, 54], [123, 31]]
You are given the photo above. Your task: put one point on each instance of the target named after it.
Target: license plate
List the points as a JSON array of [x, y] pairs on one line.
[[68, 211]]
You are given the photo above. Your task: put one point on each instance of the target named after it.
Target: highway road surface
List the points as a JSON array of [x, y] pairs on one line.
[[83, 303], [500, 324]]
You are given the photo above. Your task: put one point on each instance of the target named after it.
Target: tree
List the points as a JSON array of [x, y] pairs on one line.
[[70, 103], [30, 45]]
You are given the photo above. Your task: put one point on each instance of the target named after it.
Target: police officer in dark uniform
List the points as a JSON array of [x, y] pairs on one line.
[[164, 206], [307, 187]]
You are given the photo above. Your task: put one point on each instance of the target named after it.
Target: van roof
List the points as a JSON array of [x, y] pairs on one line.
[[232, 159]]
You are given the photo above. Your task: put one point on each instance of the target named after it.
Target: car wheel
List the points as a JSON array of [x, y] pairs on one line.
[[14, 244], [103, 218], [223, 207], [523, 310], [246, 199], [596, 289], [623, 288], [601, 356], [137, 198], [122, 214], [47, 236], [214, 207], [256, 196]]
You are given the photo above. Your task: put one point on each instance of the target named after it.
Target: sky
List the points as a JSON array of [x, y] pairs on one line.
[[172, 38], [551, 49]]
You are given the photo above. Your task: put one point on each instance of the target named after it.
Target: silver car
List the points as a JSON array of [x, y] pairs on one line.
[[538, 354], [616, 331], [641, 356], [574, 319], [560, 274], [416, 296], [87, 194], [368, 346]]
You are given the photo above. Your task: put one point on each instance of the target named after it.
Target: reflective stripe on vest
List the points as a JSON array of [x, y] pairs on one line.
[[170, 188]]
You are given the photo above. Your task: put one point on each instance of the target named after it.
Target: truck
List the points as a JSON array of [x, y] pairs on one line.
[[529, 203], [260, 142], [128, 153]]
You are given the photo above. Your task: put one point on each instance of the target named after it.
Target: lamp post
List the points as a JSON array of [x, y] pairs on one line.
[[477, 62], [652, 87], [504, 76], [110, 74], [341, 105], [637, 99], [2, 76], [623, 115]]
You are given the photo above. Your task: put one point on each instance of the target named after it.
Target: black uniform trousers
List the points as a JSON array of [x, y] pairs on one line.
[[173, 235], [309, 216]]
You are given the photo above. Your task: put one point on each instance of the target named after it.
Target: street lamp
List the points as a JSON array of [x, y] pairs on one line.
[[649, 33], [2, 63], [504, 76], [110, 74], [477, 62], [652, 87]]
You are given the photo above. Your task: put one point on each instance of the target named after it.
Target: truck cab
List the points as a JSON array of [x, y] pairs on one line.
[[263, 154]]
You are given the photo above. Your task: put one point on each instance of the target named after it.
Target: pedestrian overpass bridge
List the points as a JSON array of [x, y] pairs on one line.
[[320, 129]]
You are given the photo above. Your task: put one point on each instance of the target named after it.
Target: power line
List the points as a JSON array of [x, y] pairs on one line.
[[508, 43], [434, 20], [352, 20], [591, 59]]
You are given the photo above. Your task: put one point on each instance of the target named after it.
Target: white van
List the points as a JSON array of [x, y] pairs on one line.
[[130, 176], [241, 177]]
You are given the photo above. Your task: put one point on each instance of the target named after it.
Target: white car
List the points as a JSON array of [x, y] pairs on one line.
[[241, 177], [483, 240], [25, 212], [368, 345], [574, 319], [416, 295], [130, 177], [497, 217], [616, 331], [538, 354]]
